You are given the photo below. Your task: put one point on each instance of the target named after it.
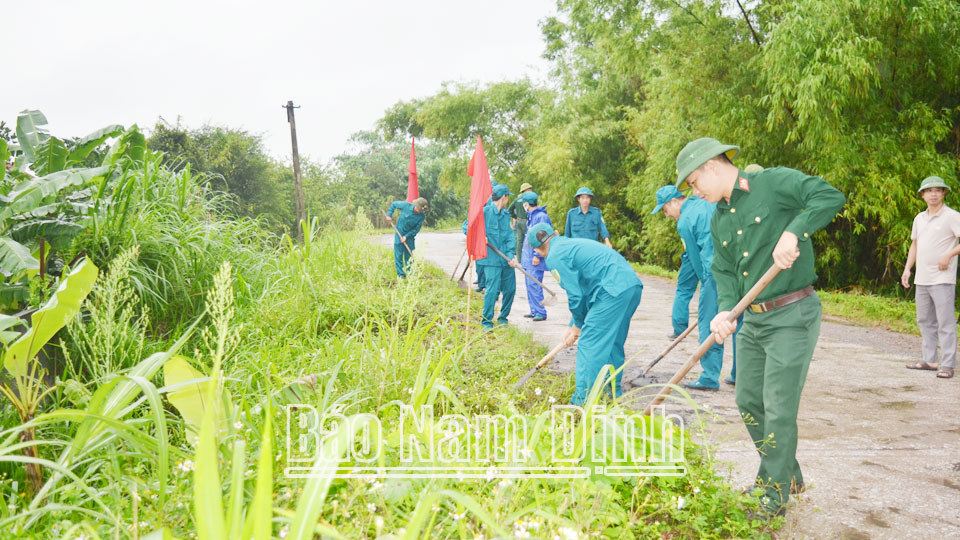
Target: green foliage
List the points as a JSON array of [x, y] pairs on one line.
[[237, 164]]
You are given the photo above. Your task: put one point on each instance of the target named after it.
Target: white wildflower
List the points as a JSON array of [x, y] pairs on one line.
[[371, 507], [284, 531], [680, 503], [537, 391], [186, 466], [552, 399]]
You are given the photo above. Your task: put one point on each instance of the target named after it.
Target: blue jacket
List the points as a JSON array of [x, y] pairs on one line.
[[499, 235], [589, 225], [408, 224], [694, 228], [537, 215], [584, 267]]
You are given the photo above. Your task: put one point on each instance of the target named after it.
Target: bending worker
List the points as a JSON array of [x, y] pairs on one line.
[[408, 225], [603, 292], [532, 262], [585, 221], [765, 218], [693, 224], [498, 273]]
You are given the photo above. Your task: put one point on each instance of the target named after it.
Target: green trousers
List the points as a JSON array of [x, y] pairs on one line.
[[520, 233], [774, 350]]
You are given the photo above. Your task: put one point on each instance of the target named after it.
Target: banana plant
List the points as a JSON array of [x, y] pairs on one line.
[[48, 198], [20, 356]]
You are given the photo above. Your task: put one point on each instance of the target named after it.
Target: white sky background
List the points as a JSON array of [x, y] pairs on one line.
[[98, 62]]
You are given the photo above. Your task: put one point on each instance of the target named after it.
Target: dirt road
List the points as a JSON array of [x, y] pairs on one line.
[[879, 444]]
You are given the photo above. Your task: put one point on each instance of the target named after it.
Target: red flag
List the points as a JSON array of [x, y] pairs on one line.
[[480, 191], [413, 191]]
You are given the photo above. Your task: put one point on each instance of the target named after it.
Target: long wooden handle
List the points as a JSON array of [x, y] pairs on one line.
[[498, 252], [458, 264], [669, 348], [556, 350], [398, 233], [709, 342]]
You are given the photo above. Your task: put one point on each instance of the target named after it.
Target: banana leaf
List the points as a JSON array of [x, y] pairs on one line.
[[49, 319]]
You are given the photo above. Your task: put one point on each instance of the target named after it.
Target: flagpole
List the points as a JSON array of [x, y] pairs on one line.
[[469, 290]]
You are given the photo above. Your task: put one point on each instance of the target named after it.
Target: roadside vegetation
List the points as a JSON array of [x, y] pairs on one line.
[[153, 350]]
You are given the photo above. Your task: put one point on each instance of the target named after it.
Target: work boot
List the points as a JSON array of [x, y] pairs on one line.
[[539, 318]]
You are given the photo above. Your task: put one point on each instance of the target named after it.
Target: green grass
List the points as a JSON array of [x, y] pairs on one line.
[[323, 323], [856, 307]]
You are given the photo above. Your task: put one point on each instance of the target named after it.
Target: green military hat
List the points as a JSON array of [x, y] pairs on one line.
[[752, 168], [524, 187], [932, 182], [583, 191], [420, 203], [538, 234], [698, 152]]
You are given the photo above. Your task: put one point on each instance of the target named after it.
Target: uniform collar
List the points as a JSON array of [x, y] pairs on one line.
[[741, 187], [589, 208]]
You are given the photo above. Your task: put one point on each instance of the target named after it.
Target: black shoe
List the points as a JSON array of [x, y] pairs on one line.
[[528, 316], [730, 381], [672, 337], [539, 318]]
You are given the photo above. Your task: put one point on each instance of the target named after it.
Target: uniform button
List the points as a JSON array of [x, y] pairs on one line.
[[746, 253], [740, 232], [805, 235], [745, 274], [724, 243], [733, 210], [757, 219]]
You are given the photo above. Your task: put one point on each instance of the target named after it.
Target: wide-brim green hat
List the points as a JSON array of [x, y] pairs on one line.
[[583, 191], [932, 182], [420, 203], [538, 234], [698, 152], [525, 186]]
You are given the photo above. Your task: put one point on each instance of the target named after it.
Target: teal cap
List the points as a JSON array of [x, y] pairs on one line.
[[698, 152], [500, 190], [665, 195], [539, 233], [529, 197]]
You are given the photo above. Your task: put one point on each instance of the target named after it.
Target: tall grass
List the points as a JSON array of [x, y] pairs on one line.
[[323, 323]]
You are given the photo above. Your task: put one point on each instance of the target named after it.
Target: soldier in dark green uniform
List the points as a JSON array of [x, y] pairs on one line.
[[518, 217], [765, 218]]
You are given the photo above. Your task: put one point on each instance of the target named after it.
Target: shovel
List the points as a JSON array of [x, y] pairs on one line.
[[390, 221], [539, 365], [544, 302], [638, 380], [707, 343], [454, 273]]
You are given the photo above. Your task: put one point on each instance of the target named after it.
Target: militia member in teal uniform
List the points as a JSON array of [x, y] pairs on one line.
[[518, 220], [498, 274], [408, 225], [687, 282], [603, 292], [765, 218], [693, 224], [585, 221]]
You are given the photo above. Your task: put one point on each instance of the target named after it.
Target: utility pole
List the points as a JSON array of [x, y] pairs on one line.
[[297, 182]]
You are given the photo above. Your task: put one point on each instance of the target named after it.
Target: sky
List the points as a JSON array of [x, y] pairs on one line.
[[89, 64]]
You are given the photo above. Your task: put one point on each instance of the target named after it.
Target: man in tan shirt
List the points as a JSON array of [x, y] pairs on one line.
[[934, 249]]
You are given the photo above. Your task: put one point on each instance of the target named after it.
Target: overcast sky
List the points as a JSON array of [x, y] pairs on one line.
[[97, 62]]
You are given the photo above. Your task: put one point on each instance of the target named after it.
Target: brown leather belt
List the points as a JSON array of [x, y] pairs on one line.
[[784, 300]]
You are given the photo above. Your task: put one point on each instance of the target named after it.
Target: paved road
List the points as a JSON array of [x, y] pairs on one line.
[[879, 444]]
